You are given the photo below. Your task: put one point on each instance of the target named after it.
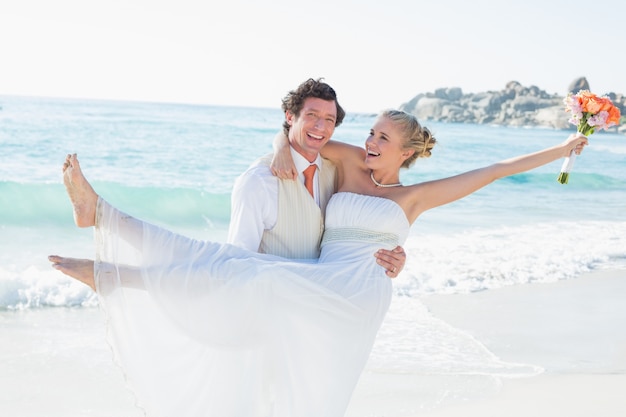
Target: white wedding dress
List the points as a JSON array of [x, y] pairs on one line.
[[207, 329]]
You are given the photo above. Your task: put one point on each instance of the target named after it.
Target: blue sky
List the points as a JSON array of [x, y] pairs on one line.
[[377, 54]]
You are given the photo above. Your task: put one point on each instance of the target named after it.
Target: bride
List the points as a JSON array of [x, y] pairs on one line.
[[207, 329]]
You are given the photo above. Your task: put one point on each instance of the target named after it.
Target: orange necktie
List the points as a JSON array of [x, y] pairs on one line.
[[308, 178]]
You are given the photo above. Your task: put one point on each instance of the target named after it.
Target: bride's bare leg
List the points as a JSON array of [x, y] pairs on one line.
[[82, 195], [80, 269]]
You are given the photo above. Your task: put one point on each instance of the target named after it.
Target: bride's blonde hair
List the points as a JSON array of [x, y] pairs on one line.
[[416, 136]]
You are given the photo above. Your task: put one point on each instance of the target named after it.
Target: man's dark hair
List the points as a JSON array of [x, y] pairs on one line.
[[294, 100]]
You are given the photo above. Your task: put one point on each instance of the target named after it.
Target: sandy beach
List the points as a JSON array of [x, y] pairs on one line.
[[55, 361], [574, 330]]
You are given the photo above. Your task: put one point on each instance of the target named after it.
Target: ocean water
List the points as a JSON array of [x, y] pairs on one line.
[[175, 164]]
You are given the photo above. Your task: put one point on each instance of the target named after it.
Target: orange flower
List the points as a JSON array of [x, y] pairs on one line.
[[614, 116], [585, 93], [597, 104], [583, 98]]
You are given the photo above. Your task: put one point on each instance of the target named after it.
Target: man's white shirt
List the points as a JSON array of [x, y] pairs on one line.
[[254, 204]]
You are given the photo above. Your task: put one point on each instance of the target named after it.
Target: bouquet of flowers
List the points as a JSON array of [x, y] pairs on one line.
[[589, 112]]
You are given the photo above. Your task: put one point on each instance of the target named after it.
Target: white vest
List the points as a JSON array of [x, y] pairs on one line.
[[300, 222]]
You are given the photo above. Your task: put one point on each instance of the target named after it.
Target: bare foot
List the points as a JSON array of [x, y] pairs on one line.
[[80, 269], [82, 195]]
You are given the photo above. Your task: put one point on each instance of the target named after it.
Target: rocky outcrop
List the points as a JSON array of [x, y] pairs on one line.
[[578, 84], [515, 105]]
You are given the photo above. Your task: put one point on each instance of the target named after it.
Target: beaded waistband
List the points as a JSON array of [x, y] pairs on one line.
[[358, 235]]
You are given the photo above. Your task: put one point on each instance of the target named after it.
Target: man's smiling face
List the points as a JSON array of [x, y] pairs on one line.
[[312, 128]]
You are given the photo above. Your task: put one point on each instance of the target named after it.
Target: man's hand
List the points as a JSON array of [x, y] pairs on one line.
[[392, 260]]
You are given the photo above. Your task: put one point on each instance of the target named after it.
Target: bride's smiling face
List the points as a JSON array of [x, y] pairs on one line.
[[385, 145]]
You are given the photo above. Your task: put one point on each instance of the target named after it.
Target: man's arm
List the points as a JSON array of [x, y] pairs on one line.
[[251, 208]]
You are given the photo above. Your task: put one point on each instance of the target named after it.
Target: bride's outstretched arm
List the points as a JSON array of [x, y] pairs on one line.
[[435, 193]]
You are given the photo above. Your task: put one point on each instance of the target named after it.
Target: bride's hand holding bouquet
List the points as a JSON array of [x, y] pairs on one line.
[[588, 113]]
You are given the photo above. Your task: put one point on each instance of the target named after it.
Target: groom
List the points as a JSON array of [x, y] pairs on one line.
[[284, 217]]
